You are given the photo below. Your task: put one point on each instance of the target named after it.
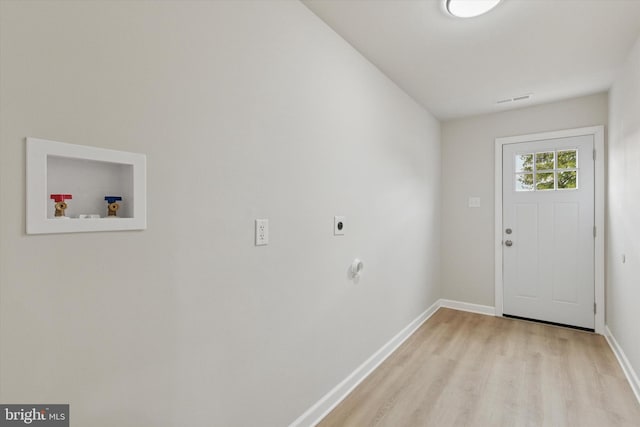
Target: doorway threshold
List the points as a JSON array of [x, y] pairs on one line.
[[546, 322]]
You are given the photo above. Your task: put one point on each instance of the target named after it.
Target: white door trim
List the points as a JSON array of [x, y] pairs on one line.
[[598, 141]]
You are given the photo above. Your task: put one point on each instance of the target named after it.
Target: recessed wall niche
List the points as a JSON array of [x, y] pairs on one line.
[[88, 174]]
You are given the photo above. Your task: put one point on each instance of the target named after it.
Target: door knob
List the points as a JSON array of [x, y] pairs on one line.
[[508, 243]]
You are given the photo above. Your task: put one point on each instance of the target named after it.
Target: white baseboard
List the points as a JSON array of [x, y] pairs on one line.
[[628, 370], [326, 404], [466, 306]]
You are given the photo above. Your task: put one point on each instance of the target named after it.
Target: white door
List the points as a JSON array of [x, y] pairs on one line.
[[548, 230]]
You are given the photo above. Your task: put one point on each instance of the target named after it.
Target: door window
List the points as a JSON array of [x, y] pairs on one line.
[[547, 171]]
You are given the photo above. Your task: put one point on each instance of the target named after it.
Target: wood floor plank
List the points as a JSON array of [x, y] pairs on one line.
[[465, 369]]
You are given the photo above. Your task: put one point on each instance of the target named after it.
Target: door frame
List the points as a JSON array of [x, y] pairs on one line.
[[598, 142]]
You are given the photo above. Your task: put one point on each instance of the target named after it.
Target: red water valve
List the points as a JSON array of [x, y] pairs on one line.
[[60, 205]]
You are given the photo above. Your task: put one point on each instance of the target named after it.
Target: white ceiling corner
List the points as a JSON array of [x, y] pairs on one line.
[[553, 49]]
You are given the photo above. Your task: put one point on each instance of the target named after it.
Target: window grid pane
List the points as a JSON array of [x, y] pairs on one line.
[[524, 182], [545, 160], [524, 162], [545, 181], [567, 179], [567, 159]]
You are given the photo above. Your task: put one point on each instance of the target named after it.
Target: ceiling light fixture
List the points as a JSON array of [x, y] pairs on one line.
[[469, 8]]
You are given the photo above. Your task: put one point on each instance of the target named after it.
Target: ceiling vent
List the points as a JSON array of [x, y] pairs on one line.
[[514, 99]]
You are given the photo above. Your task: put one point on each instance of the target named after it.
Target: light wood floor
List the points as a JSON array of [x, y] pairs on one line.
[[464, 369]]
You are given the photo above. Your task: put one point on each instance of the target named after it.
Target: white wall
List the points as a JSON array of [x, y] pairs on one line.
[[623, 227], [468, 146], [245, 110]]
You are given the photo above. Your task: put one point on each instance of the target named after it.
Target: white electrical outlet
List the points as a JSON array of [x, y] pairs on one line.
[[339, 225], [262, 232]]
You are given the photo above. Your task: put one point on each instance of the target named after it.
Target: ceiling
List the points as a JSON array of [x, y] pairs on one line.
[[552, 49]]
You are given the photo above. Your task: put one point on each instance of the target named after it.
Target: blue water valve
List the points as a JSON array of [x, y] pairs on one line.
[[112, 206]]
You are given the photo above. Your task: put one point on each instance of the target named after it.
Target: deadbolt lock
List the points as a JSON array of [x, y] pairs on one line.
[[508, 231]]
